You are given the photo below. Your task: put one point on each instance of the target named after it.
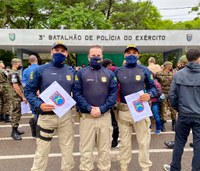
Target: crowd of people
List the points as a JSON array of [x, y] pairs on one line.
[[100, 91]]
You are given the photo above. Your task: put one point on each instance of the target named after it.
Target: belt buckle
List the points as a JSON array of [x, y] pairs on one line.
[[83, 116]]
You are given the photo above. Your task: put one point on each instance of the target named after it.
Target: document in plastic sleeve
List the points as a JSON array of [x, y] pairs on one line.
[[25, 108], [57, 96], [139, 110]]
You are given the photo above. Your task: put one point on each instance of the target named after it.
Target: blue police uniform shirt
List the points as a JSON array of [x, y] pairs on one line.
[[43, 77], [95, 88], [133, 79], [27, 72]]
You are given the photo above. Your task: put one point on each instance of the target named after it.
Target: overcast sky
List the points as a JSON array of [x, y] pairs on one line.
[[176, 10]]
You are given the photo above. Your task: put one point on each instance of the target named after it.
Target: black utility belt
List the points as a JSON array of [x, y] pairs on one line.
[[48, 113]]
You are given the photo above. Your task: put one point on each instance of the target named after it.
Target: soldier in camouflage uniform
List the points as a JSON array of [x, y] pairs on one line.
[[164, 78], [181, 64], [4, 95], [17, 97]]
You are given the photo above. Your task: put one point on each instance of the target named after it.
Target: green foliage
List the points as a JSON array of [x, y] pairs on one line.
[[107, 7], [87, 14], [78, 17], [134, 15], [27, 14], [186, 25], [71, 60], [195, 8], [6, 57], [145, 56]]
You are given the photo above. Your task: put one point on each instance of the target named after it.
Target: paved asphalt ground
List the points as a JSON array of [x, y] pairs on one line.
[[18, 155]]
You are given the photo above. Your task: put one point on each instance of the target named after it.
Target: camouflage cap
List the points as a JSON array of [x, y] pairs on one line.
[[183, 59], [167, 63], [16, 60]]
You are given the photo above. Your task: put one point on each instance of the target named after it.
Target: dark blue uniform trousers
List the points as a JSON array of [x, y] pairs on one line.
[[182, 131]]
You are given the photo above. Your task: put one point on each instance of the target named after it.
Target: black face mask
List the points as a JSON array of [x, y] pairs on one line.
[[19, 67], [95, 62]]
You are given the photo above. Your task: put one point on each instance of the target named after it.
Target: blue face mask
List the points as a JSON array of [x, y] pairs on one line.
[[131, 60], [95, 62], [59, 58]]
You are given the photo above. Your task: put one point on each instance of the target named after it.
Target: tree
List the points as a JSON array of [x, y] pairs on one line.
[[27, 14], [195, 9], [6, 57], [106, 7], [134, 15], [78, 17], [87, 14]]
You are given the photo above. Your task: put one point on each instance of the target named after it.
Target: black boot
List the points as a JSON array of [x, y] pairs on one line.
[[15, 135], [169, 144], [7, 118], [1, 118], [33, 124], [173, 124], [163, 126], [20, 132]]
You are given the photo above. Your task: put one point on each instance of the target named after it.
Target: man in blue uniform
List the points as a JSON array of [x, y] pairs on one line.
[[25, 78], [27, 72], [95, 92], [42, 77], [132, 78]]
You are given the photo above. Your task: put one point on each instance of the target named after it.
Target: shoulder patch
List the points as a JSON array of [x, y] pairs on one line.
[[76, 78], [31, 75], [151, 76]]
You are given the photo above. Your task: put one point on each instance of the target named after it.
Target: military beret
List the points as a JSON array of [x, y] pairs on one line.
[[183, 59], [168, 63], [16, 60]]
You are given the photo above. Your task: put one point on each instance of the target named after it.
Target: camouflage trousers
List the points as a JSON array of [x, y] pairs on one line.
[[166, 108], [16, 111], [5, 99]]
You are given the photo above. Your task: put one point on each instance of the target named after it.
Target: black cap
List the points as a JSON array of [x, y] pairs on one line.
[[131, 46], [59, 43], [106, 62]]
